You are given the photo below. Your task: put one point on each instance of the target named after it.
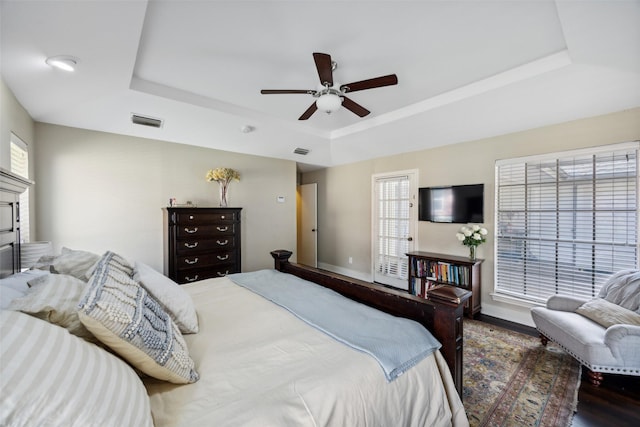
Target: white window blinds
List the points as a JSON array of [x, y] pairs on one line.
[[565, 223], [20, 166]]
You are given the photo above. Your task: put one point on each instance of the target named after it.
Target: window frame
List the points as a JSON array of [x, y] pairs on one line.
[[25, 220], [501, 291]]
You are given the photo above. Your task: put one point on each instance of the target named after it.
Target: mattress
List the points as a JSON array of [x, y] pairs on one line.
[[260, 365]]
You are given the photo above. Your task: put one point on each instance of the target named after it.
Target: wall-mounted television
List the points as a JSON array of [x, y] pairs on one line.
[[454, 204]]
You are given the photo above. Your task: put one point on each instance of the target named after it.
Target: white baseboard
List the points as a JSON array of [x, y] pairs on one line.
[[516, 316], [346, 272]]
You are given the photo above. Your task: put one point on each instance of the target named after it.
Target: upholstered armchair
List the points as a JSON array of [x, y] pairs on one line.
[[603, 334]]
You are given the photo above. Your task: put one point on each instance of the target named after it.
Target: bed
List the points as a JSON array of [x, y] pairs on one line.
[[237, 357]]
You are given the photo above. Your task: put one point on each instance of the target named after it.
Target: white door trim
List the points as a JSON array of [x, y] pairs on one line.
[[413, 176]]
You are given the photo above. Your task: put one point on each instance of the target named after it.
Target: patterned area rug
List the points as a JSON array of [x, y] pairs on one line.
[[510, 379]]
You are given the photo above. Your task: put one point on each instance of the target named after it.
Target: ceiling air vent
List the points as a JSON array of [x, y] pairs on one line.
[[146, 121], [301, 151]]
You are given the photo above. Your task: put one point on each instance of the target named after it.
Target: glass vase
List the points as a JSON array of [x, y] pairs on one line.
[[223, 195], [472, 253]]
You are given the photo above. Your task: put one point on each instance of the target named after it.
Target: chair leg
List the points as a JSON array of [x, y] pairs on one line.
[[544, 340], [595, 378]]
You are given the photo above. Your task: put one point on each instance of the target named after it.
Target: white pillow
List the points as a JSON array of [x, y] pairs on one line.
[[15, 286], [55, 298], [170, 295], [50, 377], [122, 314], [607, 313], [72, 262]]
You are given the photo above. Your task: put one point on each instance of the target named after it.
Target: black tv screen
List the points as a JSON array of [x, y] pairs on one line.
[[454, 204]]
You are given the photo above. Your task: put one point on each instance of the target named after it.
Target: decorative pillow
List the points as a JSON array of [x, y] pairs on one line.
[[55, 298], [74, 263], [607, 314], [15, 286], [121, 314], [623, 288], [168, 293], [49, 377]]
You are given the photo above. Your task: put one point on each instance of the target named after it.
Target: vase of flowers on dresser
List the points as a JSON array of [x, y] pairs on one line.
[[223, 176]]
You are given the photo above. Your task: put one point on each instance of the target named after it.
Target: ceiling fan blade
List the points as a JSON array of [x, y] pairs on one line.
[[312, 109], [354, 107], [325, 71], [389, 80], [279, 91]]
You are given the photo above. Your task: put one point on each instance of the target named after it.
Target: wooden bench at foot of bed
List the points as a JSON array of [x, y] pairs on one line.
[[443, 320]]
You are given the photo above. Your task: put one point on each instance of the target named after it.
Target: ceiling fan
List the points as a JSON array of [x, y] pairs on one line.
[[330, 96]]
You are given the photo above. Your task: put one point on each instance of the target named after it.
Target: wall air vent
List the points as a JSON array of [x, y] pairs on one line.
[[301, 151], [146, 121]]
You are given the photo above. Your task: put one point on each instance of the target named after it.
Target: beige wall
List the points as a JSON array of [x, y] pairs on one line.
[[344, 193], [15, 119], [100, 191]]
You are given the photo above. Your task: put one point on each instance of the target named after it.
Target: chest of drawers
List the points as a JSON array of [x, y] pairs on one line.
[[200, 243]]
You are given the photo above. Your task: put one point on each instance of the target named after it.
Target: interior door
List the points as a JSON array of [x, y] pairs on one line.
[[308, 224], [395, 211]]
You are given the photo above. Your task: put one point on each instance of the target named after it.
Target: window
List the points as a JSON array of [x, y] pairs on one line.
[[20, 166], [565, 222]]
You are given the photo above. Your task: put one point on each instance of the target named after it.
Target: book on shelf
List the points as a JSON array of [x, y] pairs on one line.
[[420, 286], [447, 293]]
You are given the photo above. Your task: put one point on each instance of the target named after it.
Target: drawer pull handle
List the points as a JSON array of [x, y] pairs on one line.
[[223, 258], [220, 274], [188, 279], [191, 246], [222, 242], [191, 231], [195, 260], [222, 228]]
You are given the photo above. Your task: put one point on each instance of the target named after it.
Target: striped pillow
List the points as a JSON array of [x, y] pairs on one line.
[[50, 377], [55, 298], [121, 314], [74, 263]]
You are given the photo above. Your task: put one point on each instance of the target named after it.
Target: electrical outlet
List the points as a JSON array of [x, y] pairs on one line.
[[350, 260]]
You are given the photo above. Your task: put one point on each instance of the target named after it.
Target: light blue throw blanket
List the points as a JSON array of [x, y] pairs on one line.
[[396, 343]]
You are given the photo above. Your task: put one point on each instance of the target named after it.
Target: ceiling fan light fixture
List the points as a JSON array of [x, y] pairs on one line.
[[329, 102], [62, 62]]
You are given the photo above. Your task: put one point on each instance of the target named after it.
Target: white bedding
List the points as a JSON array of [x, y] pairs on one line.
[[259, 365]]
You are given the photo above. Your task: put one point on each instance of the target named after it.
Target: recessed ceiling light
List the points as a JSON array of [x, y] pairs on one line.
[[62, 62]]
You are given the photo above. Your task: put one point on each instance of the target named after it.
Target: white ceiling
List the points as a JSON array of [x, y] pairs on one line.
[[466, 69]]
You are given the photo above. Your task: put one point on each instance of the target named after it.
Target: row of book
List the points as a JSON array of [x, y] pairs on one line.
[[441, 271], [420, 287]]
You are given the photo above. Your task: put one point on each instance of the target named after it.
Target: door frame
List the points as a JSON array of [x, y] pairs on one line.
[[413, 226], [300, 232]]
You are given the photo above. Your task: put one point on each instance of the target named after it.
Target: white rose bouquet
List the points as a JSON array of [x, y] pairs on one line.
[[472, 236]]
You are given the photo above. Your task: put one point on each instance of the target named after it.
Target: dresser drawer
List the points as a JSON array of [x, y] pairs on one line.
[[186, 276], [206, 260], [191, 218], [194, 245], [190, 231]]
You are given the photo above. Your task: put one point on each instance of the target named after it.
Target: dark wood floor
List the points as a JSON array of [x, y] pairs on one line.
[[616, 403]]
